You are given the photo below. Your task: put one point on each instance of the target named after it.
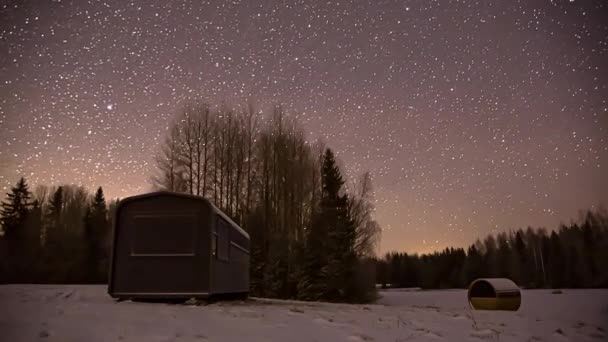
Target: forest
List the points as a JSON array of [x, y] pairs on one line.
[[571, 256], [313, 231], [58, 234]]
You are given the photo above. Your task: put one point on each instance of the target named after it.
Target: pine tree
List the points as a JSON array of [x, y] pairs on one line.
[[90, 257], [55, 207], [522, 274], [53, 224], [13, 216], [489, 256], [313, 280], [34, 223], [99, 208], [341, 257], [95, 232], [31, 247], [53, 238], [322, 256], [15, 209], [503, 254], [589, 248], [556, 262], [473, 267]]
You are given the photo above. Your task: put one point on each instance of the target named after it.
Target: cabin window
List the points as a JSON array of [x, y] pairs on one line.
[[163, 235], [223, 239]]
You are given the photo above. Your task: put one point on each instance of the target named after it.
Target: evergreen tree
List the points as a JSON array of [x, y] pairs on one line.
[[567, 257], [55, 209], [91, 253], [341, 257], [14, 210], [503, 254], [53, 225], [396, 270], [329, 259], [33, 223], [490, 251], [313, 279], [95, 233], [99, 208], [13, 216], [590, 240], [556, 262], [31, 247], [456, 260], [382, 272], [522, 277], [54, 238]]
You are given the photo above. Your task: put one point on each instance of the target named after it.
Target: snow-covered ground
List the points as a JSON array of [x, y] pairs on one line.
[[87, 313]]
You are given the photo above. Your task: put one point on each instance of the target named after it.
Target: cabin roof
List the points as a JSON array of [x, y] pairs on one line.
[[186, 196]]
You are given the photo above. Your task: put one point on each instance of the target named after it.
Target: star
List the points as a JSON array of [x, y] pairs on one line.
[[470, 116]]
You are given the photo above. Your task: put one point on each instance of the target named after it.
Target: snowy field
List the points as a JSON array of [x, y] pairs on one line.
[[87, 313]]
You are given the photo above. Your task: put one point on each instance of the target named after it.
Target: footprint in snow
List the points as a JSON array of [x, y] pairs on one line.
[[589, 330], [324, 321], [458, 316], [433, 336], [485, 334], [360, 337], [559, 335], [321, 321], [295, 312], [429, 334]]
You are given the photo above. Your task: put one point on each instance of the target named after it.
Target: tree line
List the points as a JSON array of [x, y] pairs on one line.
[[313, 234], [571, 256], [54, 235]]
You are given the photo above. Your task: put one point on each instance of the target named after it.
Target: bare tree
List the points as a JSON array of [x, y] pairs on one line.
[[361, 210], [186, 139], [265, 175], [75, 200], [251, 135], [40, 194], [315, 174], [202, 147], [169, 174]]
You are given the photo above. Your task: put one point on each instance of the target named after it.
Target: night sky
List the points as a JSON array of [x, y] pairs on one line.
[[473, 116]]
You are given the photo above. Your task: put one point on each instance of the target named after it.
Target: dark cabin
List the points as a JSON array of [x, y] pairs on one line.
[[172, 245]]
